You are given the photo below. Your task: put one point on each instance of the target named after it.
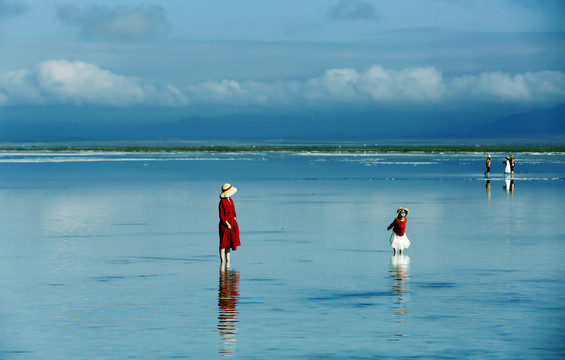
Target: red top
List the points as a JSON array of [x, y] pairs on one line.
[[399, 227], [229, 238]]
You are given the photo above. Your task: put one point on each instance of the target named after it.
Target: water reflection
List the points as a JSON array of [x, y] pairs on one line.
[[228, 298], [488, 188], [509, 186], [399, 273]]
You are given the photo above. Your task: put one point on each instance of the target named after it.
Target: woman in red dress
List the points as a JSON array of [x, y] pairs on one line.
[[228, 227]]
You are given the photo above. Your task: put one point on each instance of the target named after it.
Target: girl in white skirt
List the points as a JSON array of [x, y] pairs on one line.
[[398, 239], [507, 168]]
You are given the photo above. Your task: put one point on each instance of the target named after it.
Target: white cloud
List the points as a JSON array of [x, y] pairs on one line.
[[530, 87], [231, 92], [82, 82], [121, 23], [378, 85], [336, 83], [20, 87], [218, 91], [348, 86], [76, 82]]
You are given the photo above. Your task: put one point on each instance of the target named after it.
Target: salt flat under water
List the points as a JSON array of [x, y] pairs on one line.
[[114, 256]]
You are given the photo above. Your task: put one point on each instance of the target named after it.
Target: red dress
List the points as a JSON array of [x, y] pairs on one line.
[[229, 238]]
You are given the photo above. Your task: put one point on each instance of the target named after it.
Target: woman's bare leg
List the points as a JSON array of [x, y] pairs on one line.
[[223, 256]]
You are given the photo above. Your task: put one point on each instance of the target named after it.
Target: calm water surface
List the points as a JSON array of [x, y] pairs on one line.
[[114, 256]]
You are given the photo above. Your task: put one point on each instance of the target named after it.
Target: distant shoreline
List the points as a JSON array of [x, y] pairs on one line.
[[344, 148]]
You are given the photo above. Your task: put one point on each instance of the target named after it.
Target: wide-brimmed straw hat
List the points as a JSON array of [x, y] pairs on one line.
[[227, 190], [400, 209]]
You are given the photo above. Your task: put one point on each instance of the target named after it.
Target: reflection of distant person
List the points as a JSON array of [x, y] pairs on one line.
[[512, 164], [509, 186], [487, 173], [488, 188], [229, 229], [507, 167], [398, 239]]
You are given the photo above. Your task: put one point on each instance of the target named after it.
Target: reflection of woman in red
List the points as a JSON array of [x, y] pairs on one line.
[[228, 227], [399, 272], [228, 298]]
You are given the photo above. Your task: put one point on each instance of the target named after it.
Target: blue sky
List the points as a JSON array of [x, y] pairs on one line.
[[204, 58]]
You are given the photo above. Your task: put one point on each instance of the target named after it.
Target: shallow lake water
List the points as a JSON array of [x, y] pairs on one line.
[[114, 256]]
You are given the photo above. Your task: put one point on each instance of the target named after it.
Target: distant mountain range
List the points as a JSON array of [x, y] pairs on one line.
[[538, 124], [105, 124]]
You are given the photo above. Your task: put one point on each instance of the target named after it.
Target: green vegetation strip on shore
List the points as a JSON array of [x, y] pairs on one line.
[[303, 148]]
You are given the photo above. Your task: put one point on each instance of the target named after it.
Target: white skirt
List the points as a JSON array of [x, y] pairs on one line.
[[399, 242]]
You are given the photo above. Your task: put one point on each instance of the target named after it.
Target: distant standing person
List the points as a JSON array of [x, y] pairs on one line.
[[228, 227], [398, 239], [487, 173], [507, 167], [512, 164]]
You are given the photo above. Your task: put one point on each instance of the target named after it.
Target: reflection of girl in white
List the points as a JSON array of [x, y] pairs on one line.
[[398, 239]]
